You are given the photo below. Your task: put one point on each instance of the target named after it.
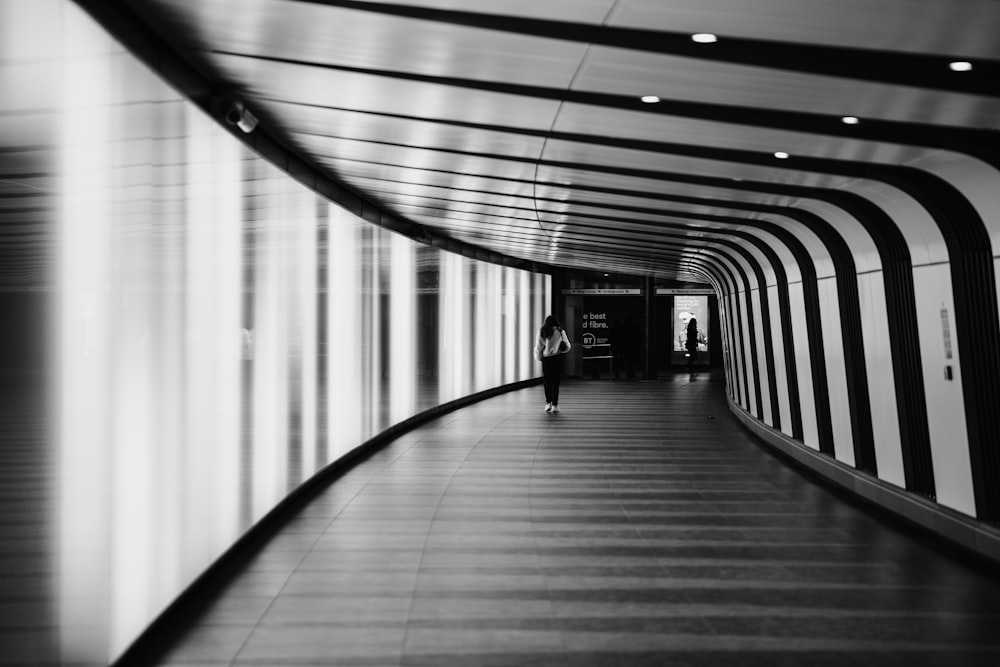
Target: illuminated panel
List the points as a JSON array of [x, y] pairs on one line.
[[547, 291], [447, 334], [510, 313], [373, 287], [543, 292], [84, 346], [209, 389], [167, 344], [402, 328], [306, 248], [270, 373], [228, 340], [483, 326], [495, 330], [525, 339], [137, 587], [295, 274], [455, 329], [344, 345], [465, 327]]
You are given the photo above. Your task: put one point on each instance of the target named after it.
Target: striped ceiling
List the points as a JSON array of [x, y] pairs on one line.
[[519, 126]]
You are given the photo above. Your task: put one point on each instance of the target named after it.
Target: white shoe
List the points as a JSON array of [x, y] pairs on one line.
[[548, 407], [555, 409]]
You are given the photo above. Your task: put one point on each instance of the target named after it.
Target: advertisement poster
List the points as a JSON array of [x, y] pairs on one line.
[[688, 308], [611, 333]]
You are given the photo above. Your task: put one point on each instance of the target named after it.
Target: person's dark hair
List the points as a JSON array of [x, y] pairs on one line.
[[550, 325]]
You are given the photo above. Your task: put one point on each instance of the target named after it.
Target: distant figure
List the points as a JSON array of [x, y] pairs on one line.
[[550, 344], [690, 338]]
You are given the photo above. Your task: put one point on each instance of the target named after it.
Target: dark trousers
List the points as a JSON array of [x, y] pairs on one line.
[[551, 374]]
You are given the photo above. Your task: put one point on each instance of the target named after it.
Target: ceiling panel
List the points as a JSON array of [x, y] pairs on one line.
[[938, 26], [366, 92], [666, 135], [328, 35], [636, 73], [440, 133]]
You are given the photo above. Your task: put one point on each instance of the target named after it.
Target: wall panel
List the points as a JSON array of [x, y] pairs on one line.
[[807, 397], [762, 379], [882, 388], [833, 349], [780, 369], [745, 307], [739, 382], [945, 400]]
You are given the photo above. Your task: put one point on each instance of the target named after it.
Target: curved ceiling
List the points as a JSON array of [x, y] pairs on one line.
[[519, 126]]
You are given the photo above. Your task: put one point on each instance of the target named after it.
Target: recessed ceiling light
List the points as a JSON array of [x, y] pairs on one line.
[[781, 155], [850, 120], [960, 66], [704, 38], [650, 99]]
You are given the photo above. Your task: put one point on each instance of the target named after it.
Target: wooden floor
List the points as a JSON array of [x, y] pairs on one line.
[[641, 526]]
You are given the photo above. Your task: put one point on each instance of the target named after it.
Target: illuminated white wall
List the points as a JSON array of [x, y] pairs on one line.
[[219, 333]]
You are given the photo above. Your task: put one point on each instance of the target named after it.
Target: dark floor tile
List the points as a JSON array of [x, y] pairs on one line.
[[321, 644], [209, 643]]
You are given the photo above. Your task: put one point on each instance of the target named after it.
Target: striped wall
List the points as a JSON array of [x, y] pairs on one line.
[[215, 333], [862, 323]]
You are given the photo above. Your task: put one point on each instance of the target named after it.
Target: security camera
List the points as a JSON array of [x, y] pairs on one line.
[[238, 115]]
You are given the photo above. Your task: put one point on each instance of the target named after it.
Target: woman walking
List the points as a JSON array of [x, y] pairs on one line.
[[692, 342], [550, 344]]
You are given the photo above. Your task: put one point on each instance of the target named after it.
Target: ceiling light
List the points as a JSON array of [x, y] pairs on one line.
[[850, 120], [650, 99], [704, 38], [960, 66], [781, 155]]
